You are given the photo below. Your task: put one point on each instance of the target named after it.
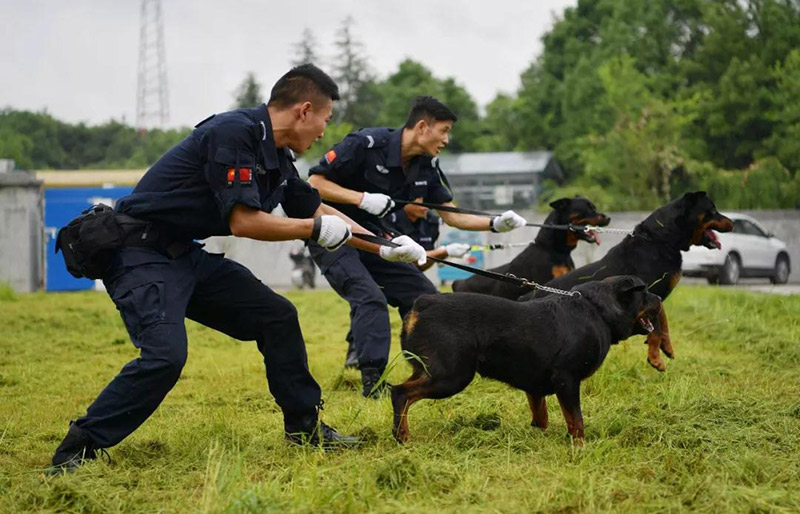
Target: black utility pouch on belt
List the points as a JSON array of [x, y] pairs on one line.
[[88, 242]]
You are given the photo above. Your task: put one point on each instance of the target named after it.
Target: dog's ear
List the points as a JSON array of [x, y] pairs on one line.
[[561, 203], [634, 288], [628, 284], [692, 197]]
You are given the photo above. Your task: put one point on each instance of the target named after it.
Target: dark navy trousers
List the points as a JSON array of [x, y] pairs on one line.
[[154, 294], [369, 283]]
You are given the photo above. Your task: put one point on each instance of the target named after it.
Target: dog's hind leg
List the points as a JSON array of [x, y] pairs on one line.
[[666, 342], [568, 392], [401, 401], [538, 406], [419, 387]]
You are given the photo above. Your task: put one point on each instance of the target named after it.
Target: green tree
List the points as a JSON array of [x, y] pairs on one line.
[[305, 50], [248, 94], [351, 73], [412, 79], [784, 142], [17, 147], [334, 133], [735, 114]]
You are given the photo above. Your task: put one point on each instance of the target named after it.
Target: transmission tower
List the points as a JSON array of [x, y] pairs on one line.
[[152, 105]]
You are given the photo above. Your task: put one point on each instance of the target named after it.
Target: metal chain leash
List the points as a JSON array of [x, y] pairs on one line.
[[547, 289], [496, 246], [553, 290], [587, 228]]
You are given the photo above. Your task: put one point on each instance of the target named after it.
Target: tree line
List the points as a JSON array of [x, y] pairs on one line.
[[640, 101]]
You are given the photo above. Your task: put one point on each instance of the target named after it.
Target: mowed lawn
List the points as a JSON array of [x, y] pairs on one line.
[[718, 432]]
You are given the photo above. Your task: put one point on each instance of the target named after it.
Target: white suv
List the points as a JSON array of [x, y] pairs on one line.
[[747, 251]]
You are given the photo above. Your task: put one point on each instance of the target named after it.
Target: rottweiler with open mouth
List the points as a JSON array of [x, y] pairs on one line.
[[543, 347], [653, 253], [546, 257]]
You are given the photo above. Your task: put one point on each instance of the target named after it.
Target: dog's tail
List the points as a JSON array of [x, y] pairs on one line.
[[410, 319]]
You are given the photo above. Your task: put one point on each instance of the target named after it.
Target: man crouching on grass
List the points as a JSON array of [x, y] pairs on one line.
[[224, 178]]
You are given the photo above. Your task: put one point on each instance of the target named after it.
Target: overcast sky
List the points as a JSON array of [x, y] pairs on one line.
[[78, 58]]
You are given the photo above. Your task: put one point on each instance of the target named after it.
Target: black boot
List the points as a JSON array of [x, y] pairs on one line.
[[370, 380], [308, 430], [352, 357], [76, 448]]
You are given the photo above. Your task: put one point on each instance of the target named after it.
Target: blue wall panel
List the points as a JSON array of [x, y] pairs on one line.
[[60, 206], [474, 259]]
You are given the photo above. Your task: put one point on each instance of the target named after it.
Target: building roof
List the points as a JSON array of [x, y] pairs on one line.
[[495, 162], [85, 178], [485, 163]]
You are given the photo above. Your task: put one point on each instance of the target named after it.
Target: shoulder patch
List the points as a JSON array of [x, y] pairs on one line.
[[330, 156]]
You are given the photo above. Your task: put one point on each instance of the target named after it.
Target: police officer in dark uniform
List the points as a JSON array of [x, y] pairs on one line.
[[360, 176], [223, 179], [422, 225]]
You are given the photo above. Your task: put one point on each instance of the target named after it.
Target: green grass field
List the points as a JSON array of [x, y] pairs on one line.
[[718, 432]]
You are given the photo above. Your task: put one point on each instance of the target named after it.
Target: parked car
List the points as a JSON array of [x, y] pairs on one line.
[[747, 251]]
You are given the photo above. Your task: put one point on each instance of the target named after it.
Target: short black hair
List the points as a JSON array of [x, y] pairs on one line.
[[430, 109], [302, 83]]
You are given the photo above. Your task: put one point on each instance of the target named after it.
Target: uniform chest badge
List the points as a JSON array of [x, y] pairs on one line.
[[382, 169]]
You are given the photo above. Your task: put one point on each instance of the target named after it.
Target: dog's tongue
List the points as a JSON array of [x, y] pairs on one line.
[[596, 237], [713, 239]]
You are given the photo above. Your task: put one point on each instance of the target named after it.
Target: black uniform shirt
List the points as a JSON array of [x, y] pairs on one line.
[[369, 160], [424, 231], [229, 158]]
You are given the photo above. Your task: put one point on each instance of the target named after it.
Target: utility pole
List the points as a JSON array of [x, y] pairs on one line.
[[152, 103]]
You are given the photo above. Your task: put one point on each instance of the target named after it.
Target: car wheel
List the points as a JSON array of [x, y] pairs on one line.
[[781, 275], [731, 270]]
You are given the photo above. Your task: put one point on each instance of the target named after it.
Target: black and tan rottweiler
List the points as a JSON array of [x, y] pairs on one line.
[[548, 256], [653, 253], [543, 347]]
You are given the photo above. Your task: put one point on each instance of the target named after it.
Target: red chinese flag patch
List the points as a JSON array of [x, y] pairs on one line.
[[330, 156], [245, 176]]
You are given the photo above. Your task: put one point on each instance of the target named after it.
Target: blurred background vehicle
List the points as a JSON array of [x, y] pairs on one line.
[[748, 251]]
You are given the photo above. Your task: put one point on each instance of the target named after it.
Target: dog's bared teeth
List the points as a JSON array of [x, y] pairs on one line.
[[647, 324]]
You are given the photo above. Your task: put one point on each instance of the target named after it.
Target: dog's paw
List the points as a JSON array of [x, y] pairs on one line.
[[666, 347], [400, 435], [657, 363]]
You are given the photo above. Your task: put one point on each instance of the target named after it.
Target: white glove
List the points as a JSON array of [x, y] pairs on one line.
[[507, 221], [456, 249], [408, 251], [331, 232], [377, 204]]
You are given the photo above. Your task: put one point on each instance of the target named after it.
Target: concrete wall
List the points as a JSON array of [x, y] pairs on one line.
[[21, 231], [270, 261]]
